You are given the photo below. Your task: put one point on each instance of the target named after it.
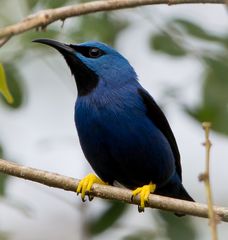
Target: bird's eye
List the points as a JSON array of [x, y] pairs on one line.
[[95, 52]]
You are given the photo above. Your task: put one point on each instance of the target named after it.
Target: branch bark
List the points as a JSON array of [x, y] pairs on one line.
[[45, 17], [109, 192]]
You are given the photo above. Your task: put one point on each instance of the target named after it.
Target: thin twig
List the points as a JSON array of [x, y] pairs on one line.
[[206, 178], [43, 18], [109, 192]]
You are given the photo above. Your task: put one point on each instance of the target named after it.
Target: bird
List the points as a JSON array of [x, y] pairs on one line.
[[123, 133]]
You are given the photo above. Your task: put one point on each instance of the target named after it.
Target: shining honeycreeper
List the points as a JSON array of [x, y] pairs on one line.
[[122, 131]]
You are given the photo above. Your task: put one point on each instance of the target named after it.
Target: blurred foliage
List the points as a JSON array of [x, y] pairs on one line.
[[95, 26], [3, 236], [108, 218], [199, 33], [165, 43], [28, 37], [179, 38], [178, 228], [47, 3], [3, 177], [214, 104], [141, 235]]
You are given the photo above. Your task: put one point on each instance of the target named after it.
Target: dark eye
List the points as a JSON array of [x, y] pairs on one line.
[[95, 52]]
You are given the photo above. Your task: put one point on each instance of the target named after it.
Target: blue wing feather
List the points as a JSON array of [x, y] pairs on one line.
[[159, 119]]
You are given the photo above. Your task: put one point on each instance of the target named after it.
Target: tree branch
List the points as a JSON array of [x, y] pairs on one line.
[[213, 219], [109, 192], [45, 17]]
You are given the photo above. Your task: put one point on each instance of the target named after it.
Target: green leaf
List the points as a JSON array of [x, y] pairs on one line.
[[165, 44], [177, 227], [197, 31], [14, 84], [114, 211], [99, 26], [4, 87], [214, 106]]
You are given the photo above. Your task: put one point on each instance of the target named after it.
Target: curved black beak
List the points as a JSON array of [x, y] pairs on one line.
[[61, 47]]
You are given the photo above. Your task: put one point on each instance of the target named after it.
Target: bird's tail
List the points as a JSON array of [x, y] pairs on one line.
[[175, 189], [183, 194]]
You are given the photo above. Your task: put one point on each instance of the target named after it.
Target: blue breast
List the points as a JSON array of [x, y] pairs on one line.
[[120, 142]]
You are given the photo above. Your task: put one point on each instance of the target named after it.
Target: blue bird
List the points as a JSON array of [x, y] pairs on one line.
[[122, 131]]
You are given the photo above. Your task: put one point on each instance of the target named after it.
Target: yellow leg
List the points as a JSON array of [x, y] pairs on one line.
[[144, 193], [86, 184]]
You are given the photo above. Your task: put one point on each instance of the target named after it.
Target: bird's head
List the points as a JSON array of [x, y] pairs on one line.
[[94, 65]]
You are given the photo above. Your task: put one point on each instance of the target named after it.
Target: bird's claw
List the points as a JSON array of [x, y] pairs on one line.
[[85, 185], [90, 197], [140, 209], [143, 193]]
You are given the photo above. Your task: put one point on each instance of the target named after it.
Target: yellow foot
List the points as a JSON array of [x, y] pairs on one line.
[[86, 184], [144, 193]]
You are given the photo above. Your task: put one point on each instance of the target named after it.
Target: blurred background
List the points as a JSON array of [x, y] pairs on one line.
[[181, 56]]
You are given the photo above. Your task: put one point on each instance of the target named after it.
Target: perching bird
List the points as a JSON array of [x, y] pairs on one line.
[[122, 131]]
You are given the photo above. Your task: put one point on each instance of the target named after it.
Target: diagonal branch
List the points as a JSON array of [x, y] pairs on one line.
[[109, 192], [45, 17]]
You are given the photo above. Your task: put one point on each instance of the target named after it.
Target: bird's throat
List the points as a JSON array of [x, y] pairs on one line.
[[86, 79]]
